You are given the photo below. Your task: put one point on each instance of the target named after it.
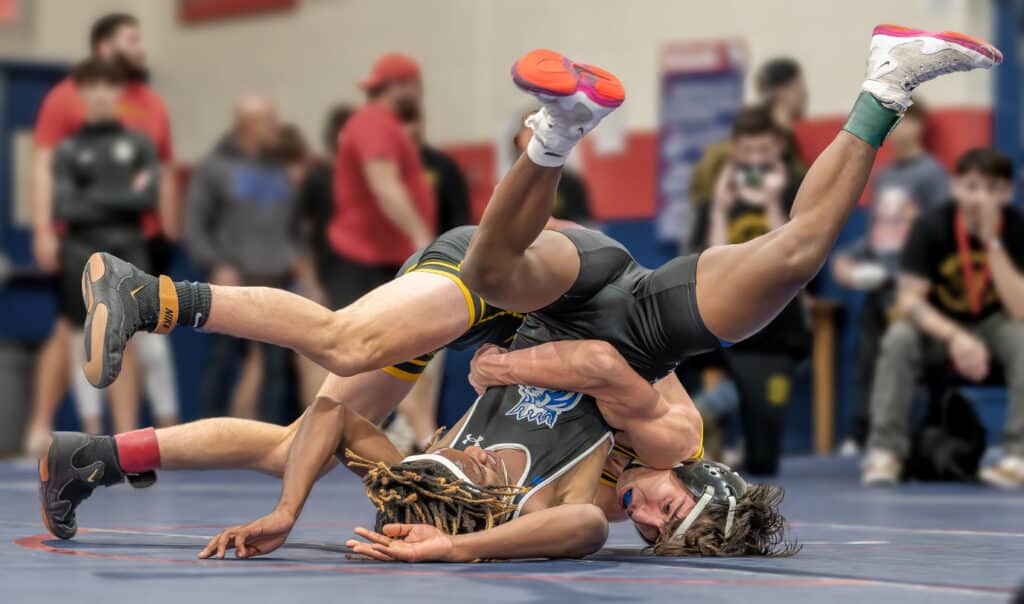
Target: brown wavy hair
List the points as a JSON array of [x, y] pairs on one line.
[[425, 492], [758, 529]]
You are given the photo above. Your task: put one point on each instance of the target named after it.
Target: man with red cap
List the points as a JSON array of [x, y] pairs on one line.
[[385, 209]]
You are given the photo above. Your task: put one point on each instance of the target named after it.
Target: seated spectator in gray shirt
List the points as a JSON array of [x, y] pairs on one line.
[[913, 182], [912, 168]]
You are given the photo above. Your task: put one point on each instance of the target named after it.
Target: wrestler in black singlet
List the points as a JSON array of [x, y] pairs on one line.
[[650, 316]]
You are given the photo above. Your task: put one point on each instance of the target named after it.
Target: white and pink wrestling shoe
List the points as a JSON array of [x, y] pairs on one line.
[[901, 59], [575, 97]]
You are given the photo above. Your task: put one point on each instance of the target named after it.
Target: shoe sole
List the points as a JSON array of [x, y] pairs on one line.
[[550, 73], [98, 317], [44, 478], [980, 47]]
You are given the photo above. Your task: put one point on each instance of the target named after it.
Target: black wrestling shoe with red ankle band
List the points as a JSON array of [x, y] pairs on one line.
[[73, 466]]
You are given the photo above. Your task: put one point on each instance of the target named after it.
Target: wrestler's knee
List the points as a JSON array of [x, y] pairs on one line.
[[484, 278], [352, 345], [801, 250]]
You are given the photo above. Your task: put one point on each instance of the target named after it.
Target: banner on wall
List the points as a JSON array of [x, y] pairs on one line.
[[701, 92]]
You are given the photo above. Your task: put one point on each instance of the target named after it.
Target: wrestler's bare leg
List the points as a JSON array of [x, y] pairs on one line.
[[740, 288], [230, 443]]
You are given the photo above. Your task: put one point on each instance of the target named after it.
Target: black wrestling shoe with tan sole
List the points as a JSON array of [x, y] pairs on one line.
[[69, 471], [121, 299]]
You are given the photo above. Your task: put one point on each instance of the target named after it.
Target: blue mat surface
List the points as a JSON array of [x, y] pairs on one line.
[[919, 543]]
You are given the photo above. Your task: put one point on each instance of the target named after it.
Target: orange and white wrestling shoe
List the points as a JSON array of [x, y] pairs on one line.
[[575, 98], [902, 58]]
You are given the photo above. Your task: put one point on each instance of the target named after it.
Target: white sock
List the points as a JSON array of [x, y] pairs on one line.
[[550, 145], [88, 400], [158, 374]]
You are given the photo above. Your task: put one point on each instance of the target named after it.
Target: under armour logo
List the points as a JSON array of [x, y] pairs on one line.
[[471, 440]]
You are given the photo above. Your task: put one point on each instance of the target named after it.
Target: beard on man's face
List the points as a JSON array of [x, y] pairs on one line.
[[407, 110], [134, 71]]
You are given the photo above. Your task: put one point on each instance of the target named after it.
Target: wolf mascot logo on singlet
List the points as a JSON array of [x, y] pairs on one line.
[[542, 406]]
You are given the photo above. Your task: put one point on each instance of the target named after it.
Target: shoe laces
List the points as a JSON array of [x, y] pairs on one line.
[[569, 122], [943, 62]]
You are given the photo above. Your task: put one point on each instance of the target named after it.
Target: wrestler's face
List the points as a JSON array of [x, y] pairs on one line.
[[482, 467], [652, 499]]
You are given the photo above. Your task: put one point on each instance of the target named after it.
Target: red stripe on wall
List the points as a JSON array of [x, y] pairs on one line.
[[197, 11], [951, 132]]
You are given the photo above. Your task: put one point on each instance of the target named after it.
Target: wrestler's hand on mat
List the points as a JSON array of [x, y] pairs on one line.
[[254, 539], [969, 355], [405, 543], [477, 378]]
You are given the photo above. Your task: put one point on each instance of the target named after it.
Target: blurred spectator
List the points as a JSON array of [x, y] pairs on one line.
[[315, 204], [105, 178], [782, 92], [961, 299], [299, 164], [912, 168], [443, 175], [571, 199], [115, 38], [416, 421], [913, 182], [753, 196], [384, 207], [238, 227]]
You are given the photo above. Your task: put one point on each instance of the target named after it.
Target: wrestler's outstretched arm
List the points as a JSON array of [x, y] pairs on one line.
[[564, 531], [326, 427], [663, 425]]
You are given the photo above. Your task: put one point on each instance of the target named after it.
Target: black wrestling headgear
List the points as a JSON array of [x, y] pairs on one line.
[[709, 482]]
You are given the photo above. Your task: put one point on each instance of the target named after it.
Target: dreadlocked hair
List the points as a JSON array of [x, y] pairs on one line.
[[425, 492], [758, 529]]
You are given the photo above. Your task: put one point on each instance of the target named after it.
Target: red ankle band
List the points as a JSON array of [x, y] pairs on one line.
[[138, 451]]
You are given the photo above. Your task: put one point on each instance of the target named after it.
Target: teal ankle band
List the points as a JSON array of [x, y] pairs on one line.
[[870, 121]]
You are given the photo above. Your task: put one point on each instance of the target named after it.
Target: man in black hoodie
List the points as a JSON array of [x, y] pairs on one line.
[[105, 178]]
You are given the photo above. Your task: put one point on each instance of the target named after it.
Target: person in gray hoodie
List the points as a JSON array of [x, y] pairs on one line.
[[239, 208]]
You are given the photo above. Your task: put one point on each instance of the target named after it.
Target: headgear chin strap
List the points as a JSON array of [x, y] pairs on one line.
[[709, 482], [705, 499]]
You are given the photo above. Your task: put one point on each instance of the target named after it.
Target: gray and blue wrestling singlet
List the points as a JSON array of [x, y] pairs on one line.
[[554, 428]]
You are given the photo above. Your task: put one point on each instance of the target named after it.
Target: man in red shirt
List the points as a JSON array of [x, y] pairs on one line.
[[385, 209], [116, 38]]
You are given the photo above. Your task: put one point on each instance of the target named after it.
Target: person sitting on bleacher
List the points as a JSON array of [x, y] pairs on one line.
[[961, 299], [914, 181]]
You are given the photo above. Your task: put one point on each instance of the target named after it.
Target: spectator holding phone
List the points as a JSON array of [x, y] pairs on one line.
[[753, 195]]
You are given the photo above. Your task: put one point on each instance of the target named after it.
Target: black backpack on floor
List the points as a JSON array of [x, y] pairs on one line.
[[949, 443]]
